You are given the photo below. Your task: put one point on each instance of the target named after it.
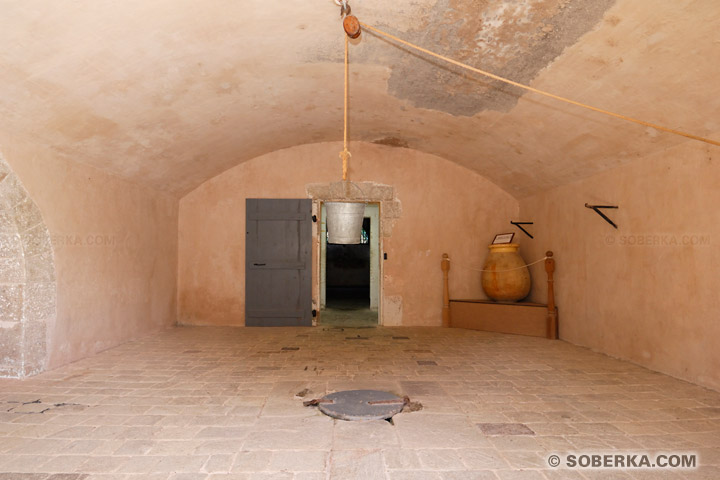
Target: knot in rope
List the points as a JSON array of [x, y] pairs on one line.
[[345, 156]]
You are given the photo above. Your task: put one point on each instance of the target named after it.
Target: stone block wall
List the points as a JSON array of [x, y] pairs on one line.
[[27, 280]]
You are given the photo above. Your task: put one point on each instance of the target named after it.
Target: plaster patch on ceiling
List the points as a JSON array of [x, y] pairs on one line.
[[511, 39], [392, 142], [77, 124]]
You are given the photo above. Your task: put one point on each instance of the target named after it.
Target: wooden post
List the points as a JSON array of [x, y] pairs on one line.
[[445, 264], [552, 325]]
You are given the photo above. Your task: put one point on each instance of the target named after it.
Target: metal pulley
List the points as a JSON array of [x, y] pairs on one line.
[[351, 24]]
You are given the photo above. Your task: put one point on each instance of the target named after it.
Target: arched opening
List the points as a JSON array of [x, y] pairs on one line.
[[27, 280]]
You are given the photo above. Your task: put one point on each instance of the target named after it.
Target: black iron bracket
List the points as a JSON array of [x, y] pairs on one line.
[[520, 224], [597, 210]]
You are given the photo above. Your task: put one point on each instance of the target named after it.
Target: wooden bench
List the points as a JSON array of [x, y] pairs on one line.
[[520, 318]]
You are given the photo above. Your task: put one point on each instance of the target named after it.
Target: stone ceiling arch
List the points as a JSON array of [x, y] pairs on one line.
[[175, 96]]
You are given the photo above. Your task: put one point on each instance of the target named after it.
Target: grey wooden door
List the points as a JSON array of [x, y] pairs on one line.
[[278, 269]]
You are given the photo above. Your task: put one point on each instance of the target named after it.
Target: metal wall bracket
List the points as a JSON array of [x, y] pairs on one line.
[[597, 207], [519, 225]]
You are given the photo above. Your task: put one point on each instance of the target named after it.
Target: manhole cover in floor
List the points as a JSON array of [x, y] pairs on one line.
[[361, 405]]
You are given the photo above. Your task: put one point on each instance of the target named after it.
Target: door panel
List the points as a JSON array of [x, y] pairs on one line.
[[278, 270]]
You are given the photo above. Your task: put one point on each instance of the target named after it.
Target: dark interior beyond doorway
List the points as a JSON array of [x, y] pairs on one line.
[[348, 273]]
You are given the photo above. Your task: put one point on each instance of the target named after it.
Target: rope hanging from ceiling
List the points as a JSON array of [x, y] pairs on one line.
[[525, 87], [345, 154]]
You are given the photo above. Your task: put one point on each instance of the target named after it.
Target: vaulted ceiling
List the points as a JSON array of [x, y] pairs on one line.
[[170, 93]]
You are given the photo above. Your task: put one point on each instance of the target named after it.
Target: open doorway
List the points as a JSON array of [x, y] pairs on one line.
[[349, 276], [347, 273]]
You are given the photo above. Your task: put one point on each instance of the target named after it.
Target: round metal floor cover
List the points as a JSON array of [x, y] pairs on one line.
[[361, 405]]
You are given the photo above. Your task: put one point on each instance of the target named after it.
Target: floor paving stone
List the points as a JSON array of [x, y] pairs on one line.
[[206, 403]]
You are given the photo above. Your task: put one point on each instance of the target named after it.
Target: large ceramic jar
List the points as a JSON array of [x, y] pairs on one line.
[[505, 277]]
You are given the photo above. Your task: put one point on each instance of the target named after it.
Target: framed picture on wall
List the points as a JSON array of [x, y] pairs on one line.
[[503, 238]]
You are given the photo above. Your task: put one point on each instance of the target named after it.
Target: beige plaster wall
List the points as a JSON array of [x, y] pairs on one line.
[[115, 248], [646, 292], [445, 208]]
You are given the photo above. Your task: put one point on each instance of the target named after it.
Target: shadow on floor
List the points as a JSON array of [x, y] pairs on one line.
[[348, 312]]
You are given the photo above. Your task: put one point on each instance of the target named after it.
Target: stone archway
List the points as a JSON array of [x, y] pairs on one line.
[[28, 288]]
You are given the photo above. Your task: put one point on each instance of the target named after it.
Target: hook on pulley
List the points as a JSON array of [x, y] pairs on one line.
[[344, 7]]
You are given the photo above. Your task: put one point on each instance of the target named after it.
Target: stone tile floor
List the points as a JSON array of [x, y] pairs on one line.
[[340, 317], [206, 403], [345, 310]]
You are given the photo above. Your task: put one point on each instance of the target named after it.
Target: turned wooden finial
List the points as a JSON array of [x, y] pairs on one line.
[[445, 265], [549, 263], [552, 311]]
